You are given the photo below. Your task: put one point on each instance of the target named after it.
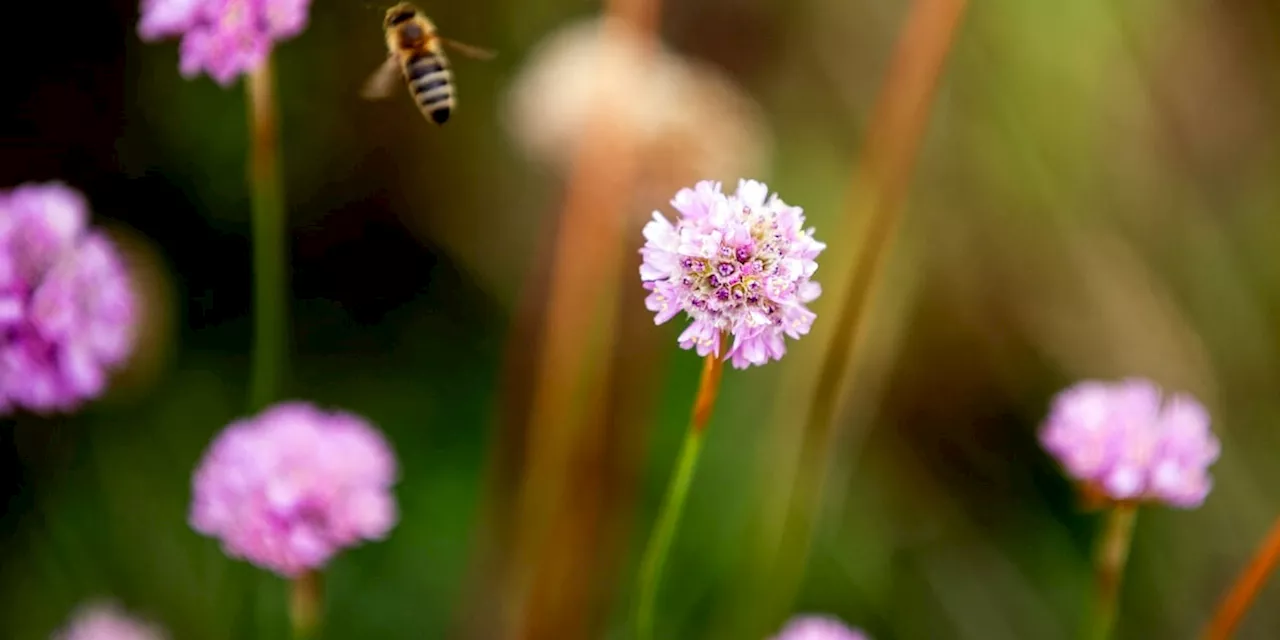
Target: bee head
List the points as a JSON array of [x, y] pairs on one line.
[[399, 14]]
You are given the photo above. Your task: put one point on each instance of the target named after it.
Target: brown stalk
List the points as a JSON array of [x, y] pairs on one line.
[[593, 529], [587, 258], [708, 389], [1246, 588], [270, 291], [306, 602], [494, 539], [878, 189]]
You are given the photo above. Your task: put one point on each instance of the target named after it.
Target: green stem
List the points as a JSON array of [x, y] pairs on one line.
[[269, 282], [305, 603], [655, 555], [269, 252], [660, 542], [1113, 552]]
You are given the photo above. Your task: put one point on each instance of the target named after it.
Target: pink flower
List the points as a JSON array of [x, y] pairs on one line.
[[292, 486], [1124, 441], [106, 621], [223, 38], [67, 306], [811, 627], [736, 263]]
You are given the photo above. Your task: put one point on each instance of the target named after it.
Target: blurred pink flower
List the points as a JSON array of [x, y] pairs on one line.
[[1123, 441], [67, 305], [290, 487], [223, 38], [812, 627], [736, 263], [106, 621]]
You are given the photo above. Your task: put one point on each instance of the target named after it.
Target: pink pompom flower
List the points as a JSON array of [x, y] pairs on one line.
[[815, 627], [67, 304], [222, 38], [290, 487], [735, 263], [107, 621], [1126, 442]]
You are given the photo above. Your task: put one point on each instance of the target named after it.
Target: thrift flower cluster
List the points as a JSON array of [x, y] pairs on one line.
[[106, 621], [67, 308], [812, 627], [735, 263], [1124, 440], [290, 487], [222, 38]]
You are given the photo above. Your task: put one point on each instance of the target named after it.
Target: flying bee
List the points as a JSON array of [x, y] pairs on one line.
[[416, 53]]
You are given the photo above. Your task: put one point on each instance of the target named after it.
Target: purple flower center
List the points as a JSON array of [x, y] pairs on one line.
[[313, 514]]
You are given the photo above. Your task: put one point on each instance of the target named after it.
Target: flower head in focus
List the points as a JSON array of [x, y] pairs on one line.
[[106, 621], [812, 627], [1124, 441], [223, 38], [735, 263], [290, 487], [67, 304]]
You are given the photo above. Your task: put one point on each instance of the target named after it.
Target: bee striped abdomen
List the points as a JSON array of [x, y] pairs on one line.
[[431, 84]]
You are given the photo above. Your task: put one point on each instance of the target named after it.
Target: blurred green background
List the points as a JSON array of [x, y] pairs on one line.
[[1096, 197]]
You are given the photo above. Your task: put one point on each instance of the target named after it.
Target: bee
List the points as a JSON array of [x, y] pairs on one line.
[[416, 53]]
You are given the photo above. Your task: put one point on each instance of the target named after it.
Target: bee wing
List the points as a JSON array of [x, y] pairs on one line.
[[468, 50], [383, 81]]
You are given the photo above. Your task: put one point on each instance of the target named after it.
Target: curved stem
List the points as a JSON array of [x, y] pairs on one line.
[[877, 192], [1246, 588], [270, 290], [664, 531], [585, 262], [1113, 552]]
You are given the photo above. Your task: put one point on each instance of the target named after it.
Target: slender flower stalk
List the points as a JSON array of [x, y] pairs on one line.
[[878, 189], [269, 251], [1246, 588], [227, 39], [306, 600], [585, 260], [1109, 565], [655, 555]]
